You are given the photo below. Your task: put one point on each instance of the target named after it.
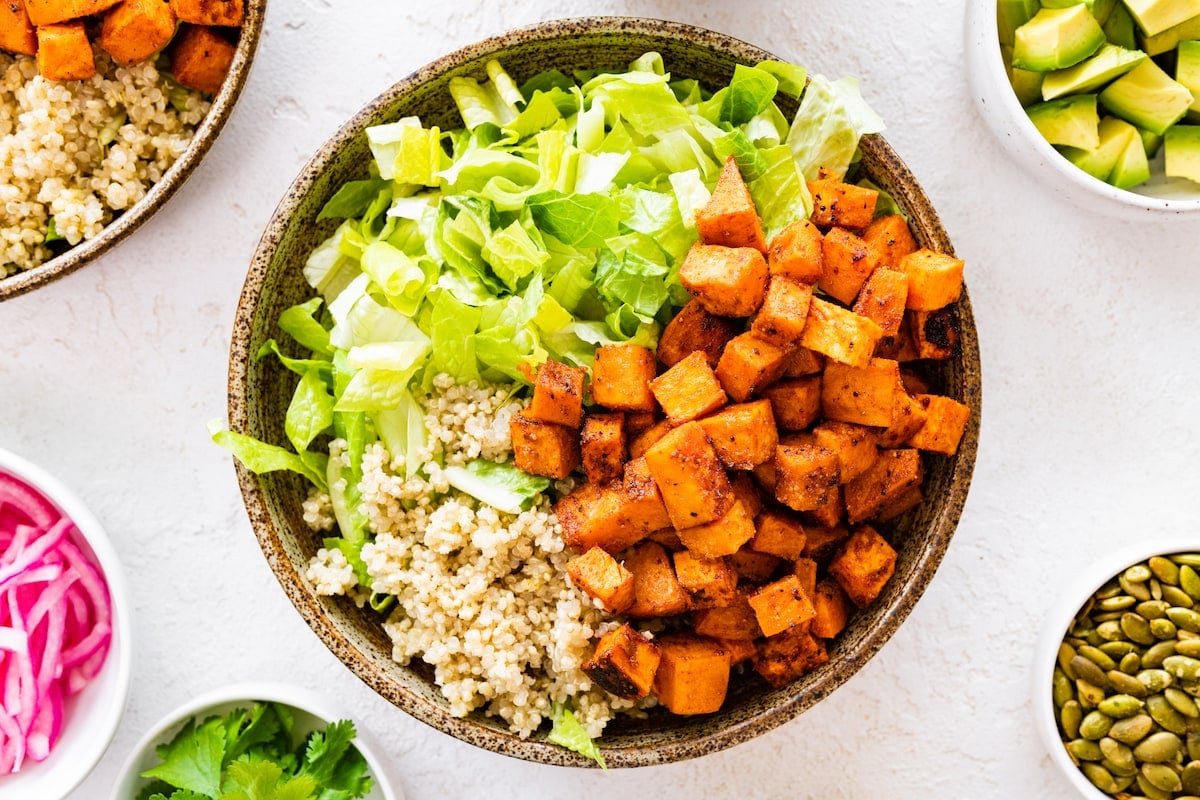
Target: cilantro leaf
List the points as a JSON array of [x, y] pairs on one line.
[[193, 758], [324, 750], [260, 726], [263, 780]]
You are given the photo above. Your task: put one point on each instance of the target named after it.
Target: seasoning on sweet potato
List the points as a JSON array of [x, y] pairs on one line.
[[804, 475], [795, 252], [599, 576], [543, 448], [592, 515], [624, 663], [945, 421], [806, 570], [557, 394], [17, 34], [908, 416], [49, 12], [863, 565], [621, 377], [693, 483], [643, 509], [935, 334], [779, 534], [802, 362], [749, 364], [727, 281], [200, 58], [692, 329], [830, 513], [743, 435], [721, 537], [832, 609], [739, 650], [780, 320], [910, 498], [729, 217], [839, 333], [847, 262], [781, 605], [734, 621], [892, 474], [855, 446], [602, 446], [137, 29], [842, 204], [708, 582], [882, 299], [935, 279], [656, 590], [210, 12], [786, 656], [890, 238], [861, 394], [821, 543], [638, 422], [745, 490], [693, 674], [64, 53], [638, 445], [755, 567], [688, 390], [795, 403]]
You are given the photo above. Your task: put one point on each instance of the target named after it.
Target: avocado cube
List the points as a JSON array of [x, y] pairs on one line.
[[1114, 135], [1012, 14], [1182, 148], [1109, 62], [1132, 167], [1169, 39], [1026, 84], [1070, 121], [1155, 16], [1101, 9], [1151, 142], [1057, 38], [1187, 73], [1120, 29], [1147, 97]]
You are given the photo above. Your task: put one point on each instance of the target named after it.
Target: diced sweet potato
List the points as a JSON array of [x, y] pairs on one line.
[[621, 377], [693, 674], [646, 439], [64, 53], [743, 435], [935, 279], [907, 418], [643, 509], [688, 390], [602, 447], [709, 582], [210, 12], [795, 252], [788, 655], [842, 204], [861, 394], [830, 513], [200, 58], [624, 663], [753, 566], [735, 621], [795, 403], [727, 281], [806, 570], [847, 262], [831, 607], [781, 605], [594, 515], [137, 29], [729, 217], [557, 394], [48, 12], [668, 538], [765, 476], [17, 34], [890, 238], [803, 362], [901, 503], [900, 347], [855, 446], [745, 490], [780, 320], [638, 422], [694, 486], [934, 333], [805, 474], [882, 299], [656, 590], [721, 537], [839, 333], [863, 565], [750, 364], [542, 448], [692, 329], [739, 650], [598, 575], [892, 474], [944, 424], [779, 534]]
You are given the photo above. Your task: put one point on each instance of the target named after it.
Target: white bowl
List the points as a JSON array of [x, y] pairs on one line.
[[1000, 109], [313, 711], [1054, 628], [91, 717]]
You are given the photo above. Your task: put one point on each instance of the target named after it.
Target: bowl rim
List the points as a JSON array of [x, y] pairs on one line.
[[121, 655], [295, 586], [996, 101], [176, 175]]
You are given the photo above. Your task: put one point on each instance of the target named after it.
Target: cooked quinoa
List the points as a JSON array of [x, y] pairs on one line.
[[82, 151], [482, 596]]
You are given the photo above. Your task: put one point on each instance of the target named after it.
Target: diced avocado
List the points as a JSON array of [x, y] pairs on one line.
[[1132, 167], [1026, 84], [1147, 97], [1170, 38], [1187, 73], [1012, 14], [1155, 16], [1151, 141], [1088, 76], [1120, 29], [1057, 38], [1099, 161], [1070, 121], [1182, 148], [1100, 8]]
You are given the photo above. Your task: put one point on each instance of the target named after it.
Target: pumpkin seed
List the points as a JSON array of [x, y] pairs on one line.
[[1181, 702], [1098, 657], [1121, 706], [1118, 603], [1162, 629], [1117, 755], [1162, 777], [1193, 745], [1126, 684], [1086, 670], [1136, 629], [1185, 618], [1152, 609], [1070, 717], [1137, 589], [1164, 569], [1132, 730], [1101, 778], [1190, 559], [1183, 667], [1061, 689], [1190, 777], [1157, 748], [1088, 694], [1111, 588], [1167, 717], [1150, 791], [1189, 581], [1138, 573], [1095, 725], [1155, 680], [1130, 663], [1177, 597], [1065, 653], [1124, 774], [1085, 750], [1156, 589], [1188, 647], [1155, 653], [1110, 631], [1119, 649]]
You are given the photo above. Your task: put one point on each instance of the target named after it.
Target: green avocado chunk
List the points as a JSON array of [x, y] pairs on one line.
[[1187, 73], [1114, 137], [1071, 121], [1100, 9], [1012, 14], [1182, 148], [1151, 141], [1155, 16], [1147, 97], [1056, 38], [1166, 41], [1121, 30], [1132, 167], [1088, 76]]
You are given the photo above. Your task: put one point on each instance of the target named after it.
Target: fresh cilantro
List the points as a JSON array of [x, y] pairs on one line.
[[192, 760]]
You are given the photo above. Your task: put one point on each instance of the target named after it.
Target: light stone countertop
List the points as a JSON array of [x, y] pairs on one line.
[[1091, 354]]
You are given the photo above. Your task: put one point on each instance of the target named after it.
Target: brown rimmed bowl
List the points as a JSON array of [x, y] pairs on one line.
[[260, 390], [205, 134]]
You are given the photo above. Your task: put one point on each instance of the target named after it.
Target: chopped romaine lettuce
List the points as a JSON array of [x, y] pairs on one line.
[[501, 486], [569, 733]]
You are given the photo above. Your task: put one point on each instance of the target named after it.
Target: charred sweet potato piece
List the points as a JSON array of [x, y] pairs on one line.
[[621, 377], [749, 364], [855, 446], [781, 605], [595, 515], [743, 435], [842, 204], [688, 390], [935, 334], [786, 656], [781, 318], [602, 447], [542, 448], [49, 12], [642, 508], [210, 12], [200, 58], [727, 281], [908, 416], [692, 329], [693, 674], [831, 609], [708, 582], [890, 238], [945, 421], [735, 621], [861, 394], [17, 34], [729, 217], [638, 422], [892, 474], [846, 262], [863, 565], [137, 29], [693, 483], [882, 299], [795, 403], [64, 53], [721, 537], [779, 534], [935, 279], [599, 576], [830, 513], [624, 663], [557, 394], [795, 252], [657, 592], [840, 334], [805, 475]]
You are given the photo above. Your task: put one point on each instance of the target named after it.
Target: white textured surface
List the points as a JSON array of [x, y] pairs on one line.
[[1091, 358]]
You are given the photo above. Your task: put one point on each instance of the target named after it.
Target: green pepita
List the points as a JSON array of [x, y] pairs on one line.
[[1117, 755], [1155, 653], [1185, 618], [1162, 629], [1157, 748], [1110, 589], [1162, 777], [1182, 667], [1110, 631], [1189, 581], [1120, 706], [1138, 573], [1088, 694], [1123, 773], [1137, 629], [1132, 730], [1118, 603], [1085, 750], [1190, 777], [1152, 609], [1155, 680], [1061, 688], [1166, 716], [1119, 649], [1130, 664], [1190, 559], [1137, 589], [1098, 657], [1150, 791], [1181, 702], [1193, 745], [1101, 778], [1095, 725], [1164, 569], [1085, 669], [1188, 647], [1126, 684], [1177, 597], [1156, 589], [1065, 653], [1070, 717]]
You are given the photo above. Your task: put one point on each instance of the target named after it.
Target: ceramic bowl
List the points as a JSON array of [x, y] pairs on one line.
[[310, 711], [998, 105], [90, 717], [259, 393], [206, 133]]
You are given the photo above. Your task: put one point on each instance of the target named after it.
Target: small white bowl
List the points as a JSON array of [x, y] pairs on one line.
[[90, 718], [1000, 109], [312, 711], [1054, 628]]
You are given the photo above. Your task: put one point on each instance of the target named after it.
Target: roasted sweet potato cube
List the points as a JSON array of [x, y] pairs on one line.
[[17, 34], [753, 566], [749, 365], [839, 333], [945, 421], [557, 394], [842, 204], [935, 334], [847, 262], [638, 422], [668, 538], [781, 605], [688, 390], [64, 53], [901, 503], [746, 490], [830, 513], [821, 543], [743, 435], [136, 30], [766, 476], [908, 416], [795, 403], [656, 590], [802, 362], [855, 446], [48, 12], [599, 576], [786, 656], [694, 486], [935, 279], [729, 217], [795, 252], [806, 570], [639, 444], [780, 320], [863, 395], [900, 347], [624, 663], [542, 448], [721, 537], [832, 609], [735, 621], [602, 447], [892, 474], [779, 534], [727, 281], [596, 515], [643, 509], [863, 565], [739, 650], [889, 236], [882, 299], [621, 377], [692, 329], [709, 582], [200, 58], [210, 12], [804, 475], [693, 674]]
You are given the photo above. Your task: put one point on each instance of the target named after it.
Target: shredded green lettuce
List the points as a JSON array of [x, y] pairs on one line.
[[567, 731], [501, 486]]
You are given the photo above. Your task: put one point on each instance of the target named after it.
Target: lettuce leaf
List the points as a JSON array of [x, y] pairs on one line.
[[831, 119]]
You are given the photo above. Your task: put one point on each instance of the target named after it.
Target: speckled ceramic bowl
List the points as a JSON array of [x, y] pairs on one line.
[[259, 392], [222, 105]]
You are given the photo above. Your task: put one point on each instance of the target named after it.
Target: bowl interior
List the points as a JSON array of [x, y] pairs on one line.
[[260, 391]]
